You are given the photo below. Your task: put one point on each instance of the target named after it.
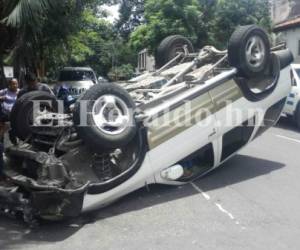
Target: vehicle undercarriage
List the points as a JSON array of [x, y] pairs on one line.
[[57, 161]]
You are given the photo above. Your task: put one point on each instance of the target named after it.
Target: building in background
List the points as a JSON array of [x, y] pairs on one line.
[[283, 10], [286, 18]]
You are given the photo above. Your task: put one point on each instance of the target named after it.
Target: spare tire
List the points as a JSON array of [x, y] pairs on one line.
[[249, 51], [22, 116], [170, 47], [104, 117]]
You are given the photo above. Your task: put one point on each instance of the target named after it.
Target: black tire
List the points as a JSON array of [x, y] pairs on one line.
[[15, 111], [22, 112], [272, 77], [286, 57], [238, 45], [169, 48], [90, 133]]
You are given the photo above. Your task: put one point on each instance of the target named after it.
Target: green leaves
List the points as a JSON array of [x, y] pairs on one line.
[[202, 21], [121, 73], [26, 12], [167, 17], [231, 13], [70, 32]]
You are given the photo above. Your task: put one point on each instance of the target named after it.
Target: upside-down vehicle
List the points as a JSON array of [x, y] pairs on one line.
[[168, 127]]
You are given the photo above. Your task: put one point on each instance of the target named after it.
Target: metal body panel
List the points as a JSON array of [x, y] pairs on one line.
[[176, 126], [170, 146], [144, 177], [170, 124]]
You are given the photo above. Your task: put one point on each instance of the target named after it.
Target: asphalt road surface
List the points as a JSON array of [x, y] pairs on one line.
[[252, 202]]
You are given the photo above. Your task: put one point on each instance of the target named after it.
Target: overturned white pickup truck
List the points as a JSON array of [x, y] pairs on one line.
[[170, 127]]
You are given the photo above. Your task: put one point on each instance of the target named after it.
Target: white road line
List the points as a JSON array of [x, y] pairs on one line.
[[205, 195], [224, 211], [218, 205], [288, 138]]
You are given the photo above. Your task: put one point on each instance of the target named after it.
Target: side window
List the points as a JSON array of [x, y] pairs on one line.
[[237, 138], [198, 163], [271, 117], [298, 47]]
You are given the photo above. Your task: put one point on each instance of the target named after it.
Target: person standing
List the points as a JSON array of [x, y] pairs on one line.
[[8, 98], [32, 84]]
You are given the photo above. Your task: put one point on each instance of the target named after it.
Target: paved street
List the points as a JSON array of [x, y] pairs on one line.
[[252, 202]]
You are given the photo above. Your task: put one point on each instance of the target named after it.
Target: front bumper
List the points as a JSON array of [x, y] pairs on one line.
[[39, 204], [54, 196]]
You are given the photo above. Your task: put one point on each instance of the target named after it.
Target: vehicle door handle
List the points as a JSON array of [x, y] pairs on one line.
[[213, 133]]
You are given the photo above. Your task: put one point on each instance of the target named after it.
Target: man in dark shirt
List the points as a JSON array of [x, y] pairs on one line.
[[32, 84]]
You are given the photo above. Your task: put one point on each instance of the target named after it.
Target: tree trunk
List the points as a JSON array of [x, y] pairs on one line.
[[2, 76], [41, 71]]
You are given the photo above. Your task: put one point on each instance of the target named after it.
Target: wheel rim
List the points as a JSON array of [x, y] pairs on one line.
[[179, 49], [255, 52], [111, 115]]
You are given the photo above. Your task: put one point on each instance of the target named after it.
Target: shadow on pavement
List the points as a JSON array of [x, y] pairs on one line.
[[240, 168], [287, 123]]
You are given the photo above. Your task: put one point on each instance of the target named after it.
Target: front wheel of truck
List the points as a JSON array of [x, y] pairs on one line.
[[104, 117], [249, 51]]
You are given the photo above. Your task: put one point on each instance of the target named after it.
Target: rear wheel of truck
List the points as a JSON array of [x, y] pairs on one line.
[[249, 51], [170, 47], [104, 117]]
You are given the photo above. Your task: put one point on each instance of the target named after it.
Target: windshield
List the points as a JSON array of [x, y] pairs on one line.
[[76, 75]]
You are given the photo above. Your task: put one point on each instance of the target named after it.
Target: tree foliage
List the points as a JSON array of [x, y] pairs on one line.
[[230, 13], [167, 17], [131, 16], [202, 21], [42, 27], [44, 35], [98, 45], [123, 72]]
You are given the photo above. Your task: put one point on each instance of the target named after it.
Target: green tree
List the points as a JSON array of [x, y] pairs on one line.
[[7, 36], [202, 21], [97, 44], [230, 13], [42, 26], [121, 73], [131, 16], [167, 17]]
